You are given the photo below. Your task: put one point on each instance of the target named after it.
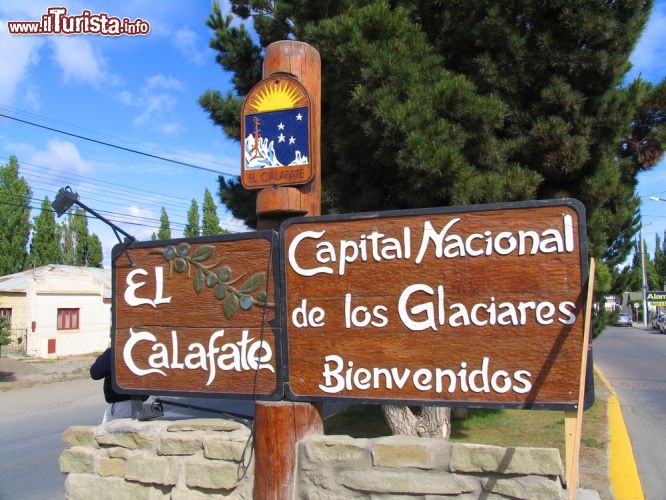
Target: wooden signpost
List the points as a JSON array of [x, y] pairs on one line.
[[463, 306], [280, 425], [197, 317]]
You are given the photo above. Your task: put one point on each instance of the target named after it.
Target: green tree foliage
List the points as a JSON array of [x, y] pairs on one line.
[[95, 252], [45, 243], [5, 334], [68, 241], [164, 232], [79, 223], [15, 195], [426, 103], [660, 263], [210, 224], [192, 227], [79, 248]]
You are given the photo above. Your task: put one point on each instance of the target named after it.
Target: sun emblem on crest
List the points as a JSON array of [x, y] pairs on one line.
[[281, 94]]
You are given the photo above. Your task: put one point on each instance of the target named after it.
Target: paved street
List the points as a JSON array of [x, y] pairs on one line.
[[634, 362]]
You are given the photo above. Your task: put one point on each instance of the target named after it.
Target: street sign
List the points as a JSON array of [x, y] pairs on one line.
[[276, 132], [197, 316], [656, 296], [472, 306]]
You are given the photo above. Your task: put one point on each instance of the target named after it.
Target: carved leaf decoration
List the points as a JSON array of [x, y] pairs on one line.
[[203, 252], [230, 305], [253, 282], [199, 280]]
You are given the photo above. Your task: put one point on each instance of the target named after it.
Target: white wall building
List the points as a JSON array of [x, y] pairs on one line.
[[64, 310]]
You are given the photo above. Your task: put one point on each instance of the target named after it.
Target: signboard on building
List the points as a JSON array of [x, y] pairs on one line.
[[197, 316], [275, 128], [476, 306], [656, 296]]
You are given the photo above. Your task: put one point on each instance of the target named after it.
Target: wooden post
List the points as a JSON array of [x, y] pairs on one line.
[[573, 420], [280, 425], [274, 204]]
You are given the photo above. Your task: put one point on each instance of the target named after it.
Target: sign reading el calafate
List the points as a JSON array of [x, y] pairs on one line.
[[197, 316], [275, 129], [475, 306]]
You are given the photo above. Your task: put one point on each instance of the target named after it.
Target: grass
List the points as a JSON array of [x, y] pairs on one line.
[[506, 427]]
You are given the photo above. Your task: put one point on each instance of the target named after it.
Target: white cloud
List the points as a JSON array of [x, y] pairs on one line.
[[187, 43], [59, 155], [160, 81], [80, 62], [155, 100], [17, 55]]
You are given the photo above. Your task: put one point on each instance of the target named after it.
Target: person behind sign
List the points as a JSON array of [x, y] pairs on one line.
[[117, 405]]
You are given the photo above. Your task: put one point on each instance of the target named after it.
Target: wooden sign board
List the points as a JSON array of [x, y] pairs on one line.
[[473, 306], [193, 316], [275, 127]]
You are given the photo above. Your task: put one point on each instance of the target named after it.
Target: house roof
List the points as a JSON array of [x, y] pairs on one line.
[[18, 282]]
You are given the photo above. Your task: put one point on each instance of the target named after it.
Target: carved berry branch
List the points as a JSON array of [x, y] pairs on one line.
[[221, 281]]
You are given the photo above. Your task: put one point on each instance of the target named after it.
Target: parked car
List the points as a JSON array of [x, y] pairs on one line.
[[658, 321], [662, 325], [624, 319]]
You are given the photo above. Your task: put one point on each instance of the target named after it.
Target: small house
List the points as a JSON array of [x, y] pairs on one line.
[[58, 310]]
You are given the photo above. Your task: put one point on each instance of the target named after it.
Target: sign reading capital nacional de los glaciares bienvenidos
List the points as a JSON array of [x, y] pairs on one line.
[[197, 316], [472, 306]]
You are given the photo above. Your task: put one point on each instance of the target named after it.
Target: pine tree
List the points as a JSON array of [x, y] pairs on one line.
[[15, 195], [427, 103], [192, 227], [164, 231], [210, 221], [45, 243]]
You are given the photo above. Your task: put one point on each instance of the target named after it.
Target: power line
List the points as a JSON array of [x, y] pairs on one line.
[[123, 148]]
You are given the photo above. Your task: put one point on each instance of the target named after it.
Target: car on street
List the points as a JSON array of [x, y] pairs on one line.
[[658, 322], [624, 319]]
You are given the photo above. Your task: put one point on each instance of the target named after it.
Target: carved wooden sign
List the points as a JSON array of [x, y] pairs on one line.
[[473, 306], [275, 127], [194, 316]]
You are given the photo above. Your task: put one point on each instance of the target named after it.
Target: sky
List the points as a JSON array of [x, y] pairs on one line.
[[141, 93]]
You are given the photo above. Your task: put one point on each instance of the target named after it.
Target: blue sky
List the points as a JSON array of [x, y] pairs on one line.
[[141, 93]]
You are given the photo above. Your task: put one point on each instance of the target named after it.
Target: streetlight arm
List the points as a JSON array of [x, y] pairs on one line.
[[66, 198], [116, 229]]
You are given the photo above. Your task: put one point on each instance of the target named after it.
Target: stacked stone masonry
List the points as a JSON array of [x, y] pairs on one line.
[[211, 458]]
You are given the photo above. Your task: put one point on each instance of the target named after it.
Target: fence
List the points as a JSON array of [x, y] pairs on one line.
[[18, 342]]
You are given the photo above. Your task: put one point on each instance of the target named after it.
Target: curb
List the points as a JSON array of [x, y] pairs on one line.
[[622, 470]]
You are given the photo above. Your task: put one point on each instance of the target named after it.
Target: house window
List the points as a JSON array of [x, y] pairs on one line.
[[7, 313], [68, 319]]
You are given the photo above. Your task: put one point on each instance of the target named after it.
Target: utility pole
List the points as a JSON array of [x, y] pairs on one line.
[[644, 280]]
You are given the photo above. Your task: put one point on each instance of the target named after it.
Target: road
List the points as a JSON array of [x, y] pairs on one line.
[[32, 420], [634, 362]]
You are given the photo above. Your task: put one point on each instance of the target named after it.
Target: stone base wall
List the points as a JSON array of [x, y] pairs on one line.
[[203, 458], [187, 459], [419, 468]]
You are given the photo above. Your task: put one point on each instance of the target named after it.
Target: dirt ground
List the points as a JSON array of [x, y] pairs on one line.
[[24, 372]]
